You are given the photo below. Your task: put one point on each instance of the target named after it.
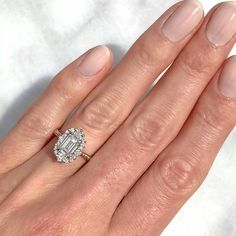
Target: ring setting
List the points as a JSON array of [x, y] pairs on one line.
[[70, 145]]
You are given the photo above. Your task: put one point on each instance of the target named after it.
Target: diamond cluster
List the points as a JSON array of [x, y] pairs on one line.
[[69, 145]]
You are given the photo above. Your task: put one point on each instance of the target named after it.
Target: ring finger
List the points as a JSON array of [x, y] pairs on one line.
[[64, 93], [36, 127]]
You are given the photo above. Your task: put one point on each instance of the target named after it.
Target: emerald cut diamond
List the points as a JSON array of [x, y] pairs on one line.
[[70, 145]]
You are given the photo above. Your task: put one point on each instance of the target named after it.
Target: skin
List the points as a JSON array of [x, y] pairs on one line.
[[160, 145]]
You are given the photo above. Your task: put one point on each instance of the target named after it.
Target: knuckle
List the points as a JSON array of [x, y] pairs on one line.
[[210, 117], [146, 129], [197, 64], [36, 125], [152, 49], [67, 89], [179, 176], [146, 55], [101, 115], [47, 225]]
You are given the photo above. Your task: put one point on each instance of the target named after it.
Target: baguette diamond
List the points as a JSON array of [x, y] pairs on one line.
[[70, 145]]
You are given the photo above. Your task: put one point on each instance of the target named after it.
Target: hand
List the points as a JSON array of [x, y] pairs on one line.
[[149, 155]]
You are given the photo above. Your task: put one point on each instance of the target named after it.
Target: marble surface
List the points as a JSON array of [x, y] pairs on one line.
[[38, 38]]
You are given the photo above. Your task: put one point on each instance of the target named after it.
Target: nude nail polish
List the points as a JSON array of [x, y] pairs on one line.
[[94, 61], [183, 21], [222, 25], [227, 79]]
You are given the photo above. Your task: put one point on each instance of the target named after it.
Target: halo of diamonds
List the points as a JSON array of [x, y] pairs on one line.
[[70, 145]]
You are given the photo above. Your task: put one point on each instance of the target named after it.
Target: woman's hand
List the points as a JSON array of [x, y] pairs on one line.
[[149, 155]]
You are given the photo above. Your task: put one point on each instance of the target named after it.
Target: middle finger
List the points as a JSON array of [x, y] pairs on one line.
[[157, 120]]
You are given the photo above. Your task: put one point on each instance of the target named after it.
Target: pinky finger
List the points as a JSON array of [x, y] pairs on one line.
[[183, 165]]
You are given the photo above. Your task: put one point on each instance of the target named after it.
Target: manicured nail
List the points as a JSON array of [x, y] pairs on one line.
[[222, 25], [227, 79], [182, 22], [94, 61]]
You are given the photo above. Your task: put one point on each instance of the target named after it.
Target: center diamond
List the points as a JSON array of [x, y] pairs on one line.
[[69, 145]]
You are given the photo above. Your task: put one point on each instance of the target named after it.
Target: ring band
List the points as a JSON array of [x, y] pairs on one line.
[[70, 145]]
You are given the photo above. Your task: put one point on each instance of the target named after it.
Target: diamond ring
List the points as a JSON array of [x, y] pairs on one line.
[[70, 145]]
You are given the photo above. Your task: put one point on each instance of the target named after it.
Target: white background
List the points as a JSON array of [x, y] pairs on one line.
[[38, 38]]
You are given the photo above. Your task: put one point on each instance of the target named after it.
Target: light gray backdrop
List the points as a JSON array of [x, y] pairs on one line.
[[38, 38]]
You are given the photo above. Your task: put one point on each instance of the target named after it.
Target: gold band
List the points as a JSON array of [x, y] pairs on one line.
[[57, 133], [85, 156]]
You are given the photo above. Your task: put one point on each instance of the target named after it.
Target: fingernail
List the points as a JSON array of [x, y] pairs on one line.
[[94, 61], [222, 25], [227, 79], [182, 22]]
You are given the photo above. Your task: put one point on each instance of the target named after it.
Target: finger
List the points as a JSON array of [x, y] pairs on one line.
[[156, 121], [184, 164], [64, 93], [106, 108]]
